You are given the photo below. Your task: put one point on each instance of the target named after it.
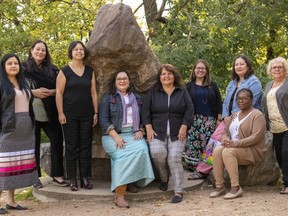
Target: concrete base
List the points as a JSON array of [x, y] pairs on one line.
[[101, 191]]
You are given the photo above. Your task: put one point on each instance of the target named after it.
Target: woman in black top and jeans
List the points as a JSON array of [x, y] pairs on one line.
[[77, 106]]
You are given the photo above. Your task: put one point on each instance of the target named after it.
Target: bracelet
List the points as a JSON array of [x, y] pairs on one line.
[[142, 131], [219, 120], [96, 113]]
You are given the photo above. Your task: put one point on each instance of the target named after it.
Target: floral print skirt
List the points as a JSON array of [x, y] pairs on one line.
[[198, 136]]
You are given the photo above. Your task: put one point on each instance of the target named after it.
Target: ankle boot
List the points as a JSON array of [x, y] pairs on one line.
[[73, 185], [121, 202], [85, 183]]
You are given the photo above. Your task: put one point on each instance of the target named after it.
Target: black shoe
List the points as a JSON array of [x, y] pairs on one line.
[[85, 183], [73, 185], [61, 184], [177, 198], [3, 211], [163, 186], [38, 184], [18, 207]]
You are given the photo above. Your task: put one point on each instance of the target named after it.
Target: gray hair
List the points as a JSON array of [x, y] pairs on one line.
[[278, 60]]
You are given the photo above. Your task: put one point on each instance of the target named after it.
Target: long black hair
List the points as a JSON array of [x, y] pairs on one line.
[[46, 64], [6, 84]]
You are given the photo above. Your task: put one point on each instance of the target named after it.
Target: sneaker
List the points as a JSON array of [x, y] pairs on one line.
[[38, 184]]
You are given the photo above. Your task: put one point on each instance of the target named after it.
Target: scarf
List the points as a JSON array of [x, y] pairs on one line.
[[135, 110]]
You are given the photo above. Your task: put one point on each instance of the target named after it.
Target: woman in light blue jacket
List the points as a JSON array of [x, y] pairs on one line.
[[242, 77]]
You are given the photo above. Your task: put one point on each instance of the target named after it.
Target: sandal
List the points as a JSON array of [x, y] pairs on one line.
[[197, 175], [284, 190]]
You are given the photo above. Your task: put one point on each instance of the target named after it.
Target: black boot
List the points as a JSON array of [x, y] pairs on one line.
[[73, 185], [85, 183]]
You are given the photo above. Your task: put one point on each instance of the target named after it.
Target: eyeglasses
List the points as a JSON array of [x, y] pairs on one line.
[[277, 67], [200, 68], [243, 99], [121, 79], [80, 50]]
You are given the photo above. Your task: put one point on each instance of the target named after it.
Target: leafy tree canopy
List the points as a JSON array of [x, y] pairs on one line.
[[57, 22], [179, 31]]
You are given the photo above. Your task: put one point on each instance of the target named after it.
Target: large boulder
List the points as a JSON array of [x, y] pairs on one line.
[[118, 43], [266, 172]]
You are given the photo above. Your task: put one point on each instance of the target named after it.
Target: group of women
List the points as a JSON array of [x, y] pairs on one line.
[[185, 126], [35, 95], [239, 138]]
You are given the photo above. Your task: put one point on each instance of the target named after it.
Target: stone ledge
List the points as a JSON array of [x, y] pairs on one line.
[[101, 191]]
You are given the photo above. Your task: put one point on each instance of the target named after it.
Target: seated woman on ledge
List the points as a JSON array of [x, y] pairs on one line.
[[242, 143], [122, 139]]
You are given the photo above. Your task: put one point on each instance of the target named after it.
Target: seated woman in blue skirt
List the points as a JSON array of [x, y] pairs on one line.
[[122, 139]]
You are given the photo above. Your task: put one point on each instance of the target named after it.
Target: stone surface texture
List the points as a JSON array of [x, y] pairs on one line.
[[118, 43]]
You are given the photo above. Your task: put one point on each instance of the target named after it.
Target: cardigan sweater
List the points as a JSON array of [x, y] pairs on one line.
[[214, 97], [281, 98], [251, 135]]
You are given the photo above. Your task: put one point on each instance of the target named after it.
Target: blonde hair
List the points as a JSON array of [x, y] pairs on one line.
[[277, 60]]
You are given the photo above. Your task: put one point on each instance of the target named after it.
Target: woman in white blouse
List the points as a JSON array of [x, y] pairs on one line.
[[242, 143]]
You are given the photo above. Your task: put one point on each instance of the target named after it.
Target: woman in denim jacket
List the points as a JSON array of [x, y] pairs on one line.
[[120, 119], [242, 77]]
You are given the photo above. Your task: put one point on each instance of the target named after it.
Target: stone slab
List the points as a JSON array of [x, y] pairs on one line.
[[101, 191]]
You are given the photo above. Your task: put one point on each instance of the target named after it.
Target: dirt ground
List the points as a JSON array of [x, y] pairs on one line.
[[260, 200]]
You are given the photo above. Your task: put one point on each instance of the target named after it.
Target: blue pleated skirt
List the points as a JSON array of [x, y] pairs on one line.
[[131, 163]]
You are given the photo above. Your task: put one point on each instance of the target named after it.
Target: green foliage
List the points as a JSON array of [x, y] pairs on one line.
[[56, 22], [219, 30], [25, 194], [216, 30]]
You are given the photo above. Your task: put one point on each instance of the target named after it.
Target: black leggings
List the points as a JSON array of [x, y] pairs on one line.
[[78, 143], [280, 142], [54, 133]]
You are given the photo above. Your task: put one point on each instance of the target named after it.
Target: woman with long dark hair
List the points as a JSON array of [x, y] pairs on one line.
[[17, 141], [41, 74]]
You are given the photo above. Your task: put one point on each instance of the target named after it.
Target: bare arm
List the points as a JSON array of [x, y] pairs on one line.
[[94, 99], [60, 87]]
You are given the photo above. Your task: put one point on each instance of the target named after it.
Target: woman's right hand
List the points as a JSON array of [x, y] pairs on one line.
[[150, 134], [119, 142], [62, 118], [41, 93], [226, 119]]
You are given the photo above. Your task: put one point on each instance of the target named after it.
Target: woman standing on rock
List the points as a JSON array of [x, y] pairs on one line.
[[120, 119], [76, 100], [41, 74], [275, 103], [17, 140]]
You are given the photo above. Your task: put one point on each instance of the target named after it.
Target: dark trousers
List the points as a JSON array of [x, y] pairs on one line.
[[78, 143], [54, 133], [280, 142]]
